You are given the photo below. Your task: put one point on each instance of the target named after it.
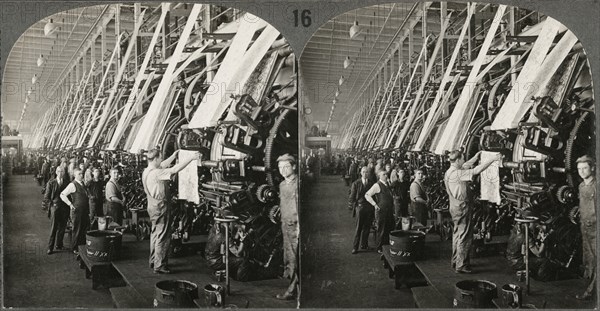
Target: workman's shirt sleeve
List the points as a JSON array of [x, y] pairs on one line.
[[415, 192], [456, 182], [371, 192], [65, 193], [110, 192], [461, 175], [161, 174], [156, 188]]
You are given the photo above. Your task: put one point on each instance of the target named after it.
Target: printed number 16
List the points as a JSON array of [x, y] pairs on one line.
[[304, 18]]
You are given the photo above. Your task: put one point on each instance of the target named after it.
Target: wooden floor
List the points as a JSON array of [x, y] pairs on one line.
[[133, 266], [438, 273]]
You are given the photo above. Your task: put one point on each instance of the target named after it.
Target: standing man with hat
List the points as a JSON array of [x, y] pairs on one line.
[[155, 179], [587, 218], [456, 180], [288, 206]]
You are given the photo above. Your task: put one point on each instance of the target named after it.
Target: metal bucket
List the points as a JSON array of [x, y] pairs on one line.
[[214, 295], [512, 295], [407, 245], [474, 294], [102, 245], [407, 223], [175, 294], [103, 222]]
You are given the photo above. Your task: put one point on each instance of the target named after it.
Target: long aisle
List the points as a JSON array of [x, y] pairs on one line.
[[31, 277], [327, 265]]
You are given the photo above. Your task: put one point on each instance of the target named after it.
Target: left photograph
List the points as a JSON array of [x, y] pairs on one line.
[[149, 160]]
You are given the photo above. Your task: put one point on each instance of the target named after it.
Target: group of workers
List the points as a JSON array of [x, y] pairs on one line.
[[68, 190], [78, 192], [388, 197], [383, 193]]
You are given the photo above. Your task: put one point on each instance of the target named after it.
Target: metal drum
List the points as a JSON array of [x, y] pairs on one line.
[[102, 245], [407, 245]]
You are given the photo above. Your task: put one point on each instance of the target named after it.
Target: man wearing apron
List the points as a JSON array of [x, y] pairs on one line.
[[155, 179], [587, 218], [456, 180], [384, 207], [80, 208], [288, 207]]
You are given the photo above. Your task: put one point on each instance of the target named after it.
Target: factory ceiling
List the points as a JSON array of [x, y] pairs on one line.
[[332, 53], [38, 66]]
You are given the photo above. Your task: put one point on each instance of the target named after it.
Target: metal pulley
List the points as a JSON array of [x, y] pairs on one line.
[[266, 193]]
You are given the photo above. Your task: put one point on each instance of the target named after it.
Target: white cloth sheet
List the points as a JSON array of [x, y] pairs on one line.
[[188, 178], [490, 179]]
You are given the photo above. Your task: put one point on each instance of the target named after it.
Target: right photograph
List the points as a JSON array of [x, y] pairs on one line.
[[447, 160]]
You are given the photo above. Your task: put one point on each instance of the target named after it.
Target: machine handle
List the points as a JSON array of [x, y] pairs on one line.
[[219, 298]]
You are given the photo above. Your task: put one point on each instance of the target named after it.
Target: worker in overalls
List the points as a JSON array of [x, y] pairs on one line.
[[587, 219], [384, 207], [115, 201], [96, 194], [400, 190], [155, 179], [288, 206], [80, 208], [456, 180], [418, 198]]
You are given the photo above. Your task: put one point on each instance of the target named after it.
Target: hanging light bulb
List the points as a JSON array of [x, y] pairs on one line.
[[355, 30], [50, 28], [41, 61], [341, 80], [34, 79], [347, 62]]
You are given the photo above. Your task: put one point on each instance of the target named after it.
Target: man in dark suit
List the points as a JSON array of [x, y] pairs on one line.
[[353, 170], [363, 208], [58, 211]]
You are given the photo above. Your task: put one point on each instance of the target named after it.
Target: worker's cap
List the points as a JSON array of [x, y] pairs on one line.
[[287, 157], [586, 159], [454, 155], [153, 154]]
